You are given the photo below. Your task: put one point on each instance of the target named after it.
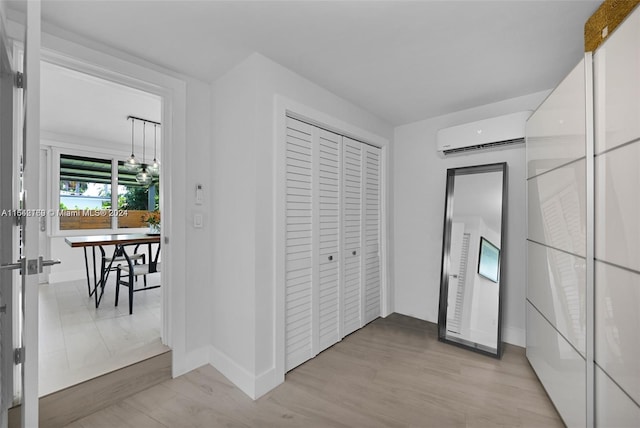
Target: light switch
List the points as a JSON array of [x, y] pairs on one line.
[[197, 221], [199, 194]]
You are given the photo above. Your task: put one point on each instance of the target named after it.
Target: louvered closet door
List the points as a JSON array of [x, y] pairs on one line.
[[352, 152], [329, 155], [371, 233], [299, 244]]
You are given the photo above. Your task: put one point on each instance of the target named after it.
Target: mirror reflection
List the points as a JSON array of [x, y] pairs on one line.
[[472, 254]]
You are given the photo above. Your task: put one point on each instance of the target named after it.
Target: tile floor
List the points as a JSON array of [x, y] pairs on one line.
[[79, 342]]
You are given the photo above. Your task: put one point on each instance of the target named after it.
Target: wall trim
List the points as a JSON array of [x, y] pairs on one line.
[[191, 361], [237, 374]]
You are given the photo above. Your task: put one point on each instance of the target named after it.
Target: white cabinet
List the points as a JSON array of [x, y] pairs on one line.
[[583, 288], [333, 239], [557, 246]]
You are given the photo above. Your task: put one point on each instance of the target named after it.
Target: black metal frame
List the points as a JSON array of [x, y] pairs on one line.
[[446, 248], [104, 270]]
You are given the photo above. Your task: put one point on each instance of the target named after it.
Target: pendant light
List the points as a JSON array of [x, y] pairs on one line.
[[132, 163], [144, 176], [154, 168]]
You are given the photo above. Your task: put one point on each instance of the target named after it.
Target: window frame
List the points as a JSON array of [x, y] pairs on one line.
[[54, 220]]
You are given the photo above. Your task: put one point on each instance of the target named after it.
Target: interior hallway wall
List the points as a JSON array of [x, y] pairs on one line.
[[418, 200]]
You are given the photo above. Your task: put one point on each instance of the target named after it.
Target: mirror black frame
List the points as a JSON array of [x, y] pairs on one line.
[[446, 246]]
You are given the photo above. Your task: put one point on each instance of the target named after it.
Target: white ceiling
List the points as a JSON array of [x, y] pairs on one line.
[[76, 107], [403, 61]]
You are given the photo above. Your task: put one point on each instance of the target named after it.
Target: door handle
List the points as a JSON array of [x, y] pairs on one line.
[[40, 264], [14, 266], [49, 262]]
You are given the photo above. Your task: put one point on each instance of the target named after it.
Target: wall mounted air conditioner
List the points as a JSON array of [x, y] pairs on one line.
[[483, 134]]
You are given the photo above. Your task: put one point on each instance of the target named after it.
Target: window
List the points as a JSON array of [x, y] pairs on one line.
[[86, 200], [135, 199]]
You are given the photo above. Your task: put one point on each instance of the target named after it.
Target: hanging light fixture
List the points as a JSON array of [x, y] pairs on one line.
[[144, 176], [154, 168], [132, 163]]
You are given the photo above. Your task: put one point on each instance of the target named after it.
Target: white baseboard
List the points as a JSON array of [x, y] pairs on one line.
[[71, 275], [240, 377], [266, 381], [191, 361], [514, 336]]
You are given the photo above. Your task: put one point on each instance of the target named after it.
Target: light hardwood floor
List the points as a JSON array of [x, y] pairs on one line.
[[392, 373]]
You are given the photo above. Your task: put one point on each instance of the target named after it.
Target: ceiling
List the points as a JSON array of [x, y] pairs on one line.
[[401, 60], [77, 107]]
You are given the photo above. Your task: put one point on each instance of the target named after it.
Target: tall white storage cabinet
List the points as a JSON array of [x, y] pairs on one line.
[[583, 293], [333, 234], [617, 226], [556, 246]]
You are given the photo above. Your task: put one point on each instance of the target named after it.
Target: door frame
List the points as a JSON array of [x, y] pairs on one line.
[[7, 368], [285, 107], [172, 90]]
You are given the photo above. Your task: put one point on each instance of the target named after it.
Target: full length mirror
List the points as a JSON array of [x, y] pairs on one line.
[[473, 258]]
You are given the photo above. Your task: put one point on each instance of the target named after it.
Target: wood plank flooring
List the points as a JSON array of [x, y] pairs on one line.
[[392, 373]]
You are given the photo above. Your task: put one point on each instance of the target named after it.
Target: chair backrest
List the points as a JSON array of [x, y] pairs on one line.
[[153, 259]]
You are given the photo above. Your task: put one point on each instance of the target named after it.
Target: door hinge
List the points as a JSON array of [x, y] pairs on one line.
[[19, 80], [18, 356]]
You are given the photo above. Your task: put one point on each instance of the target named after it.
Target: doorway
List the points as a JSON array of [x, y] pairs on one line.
[[87, 136]]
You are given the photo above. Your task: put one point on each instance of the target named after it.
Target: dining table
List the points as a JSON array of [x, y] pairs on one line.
[[119, 241]]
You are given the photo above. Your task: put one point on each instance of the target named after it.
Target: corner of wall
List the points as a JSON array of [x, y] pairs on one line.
[[253, 386]]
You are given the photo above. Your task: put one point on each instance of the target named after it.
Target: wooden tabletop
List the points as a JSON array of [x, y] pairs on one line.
[[117, 239]]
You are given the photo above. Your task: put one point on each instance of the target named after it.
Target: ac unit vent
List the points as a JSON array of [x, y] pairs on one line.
[[484, 134], [484, 146]]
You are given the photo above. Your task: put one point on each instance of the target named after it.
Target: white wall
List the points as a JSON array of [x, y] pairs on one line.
[[418, 202], [244, 160]]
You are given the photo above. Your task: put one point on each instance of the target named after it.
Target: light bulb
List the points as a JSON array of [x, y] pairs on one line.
[[143, 177], [154, 168]]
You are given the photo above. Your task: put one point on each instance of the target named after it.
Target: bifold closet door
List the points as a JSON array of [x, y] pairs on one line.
[[312, 268], [333, 221], [371, 233], [299, 262], [329, 209], [352, 155]]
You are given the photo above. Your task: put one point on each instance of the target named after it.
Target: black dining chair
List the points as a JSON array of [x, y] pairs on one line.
[[127, 272]]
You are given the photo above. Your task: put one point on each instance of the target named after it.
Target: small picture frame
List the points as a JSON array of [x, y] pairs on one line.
[[489, 260]]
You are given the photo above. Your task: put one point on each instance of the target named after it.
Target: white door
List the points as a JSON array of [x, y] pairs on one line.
[[24, 188], [329, 209], [352, 152], [299, 263], [7, 79], [371, 233]]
